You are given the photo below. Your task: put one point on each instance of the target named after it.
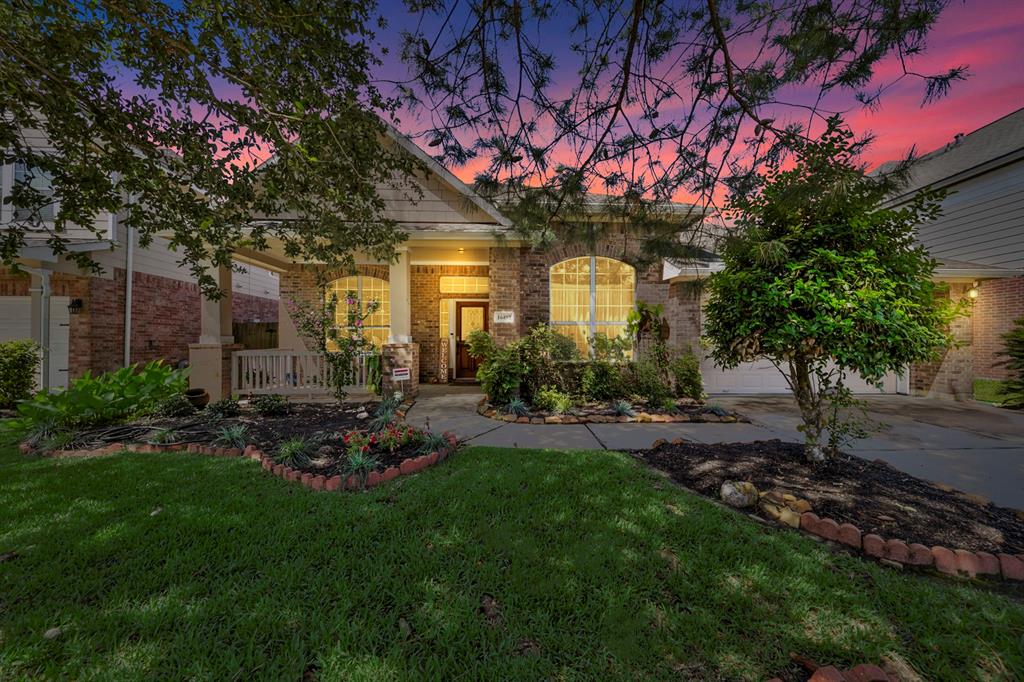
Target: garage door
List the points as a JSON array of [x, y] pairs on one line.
[[16, 323], [763, 377]]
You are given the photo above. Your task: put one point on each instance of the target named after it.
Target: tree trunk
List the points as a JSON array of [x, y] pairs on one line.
[[811, 411]]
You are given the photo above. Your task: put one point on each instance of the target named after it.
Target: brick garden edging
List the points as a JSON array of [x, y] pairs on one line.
[[896, 553]]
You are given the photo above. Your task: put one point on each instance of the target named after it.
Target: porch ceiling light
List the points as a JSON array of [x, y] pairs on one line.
[[462, 250]]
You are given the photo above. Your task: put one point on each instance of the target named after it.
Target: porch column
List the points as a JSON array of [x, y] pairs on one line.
[[215, 316], [401, 299], [210, 359]]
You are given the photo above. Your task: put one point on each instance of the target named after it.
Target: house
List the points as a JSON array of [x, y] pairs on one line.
[[142, 307], [461, 268], [979, 243]]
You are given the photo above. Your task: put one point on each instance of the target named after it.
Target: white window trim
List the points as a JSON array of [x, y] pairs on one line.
[[359, 297], [7, 209]]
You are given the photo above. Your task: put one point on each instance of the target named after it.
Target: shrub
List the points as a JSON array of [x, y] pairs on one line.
[[18, 363], [551, 399], [235, 436], [223, 408], [176, 405], [501, 375], [685, 369], [270, 405], [481, 345], [1013, 388], [548, 356], [610, 349], [646, 380], [601, 381], [294, 452], [104, 399]]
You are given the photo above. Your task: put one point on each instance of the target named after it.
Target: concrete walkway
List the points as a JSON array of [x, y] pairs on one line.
[[970, 446]]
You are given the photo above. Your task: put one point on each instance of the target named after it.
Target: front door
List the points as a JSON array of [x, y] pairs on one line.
[[469, 317]]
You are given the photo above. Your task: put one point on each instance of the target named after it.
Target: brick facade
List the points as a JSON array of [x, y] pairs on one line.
[[999, 303], [506, 281], [952, 374], [425, 286], [681, 301], [400, 355], [165, 317]]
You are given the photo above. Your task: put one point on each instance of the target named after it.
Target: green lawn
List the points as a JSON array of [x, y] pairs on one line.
[[988, 391], [598, 571]]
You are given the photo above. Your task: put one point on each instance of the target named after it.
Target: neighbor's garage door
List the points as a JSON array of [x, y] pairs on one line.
[[16, 323]]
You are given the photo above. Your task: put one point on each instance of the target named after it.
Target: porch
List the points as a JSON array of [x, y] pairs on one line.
[[432, 296]]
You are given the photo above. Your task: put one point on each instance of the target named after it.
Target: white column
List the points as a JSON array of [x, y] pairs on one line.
[[401, 299], [216, 316]]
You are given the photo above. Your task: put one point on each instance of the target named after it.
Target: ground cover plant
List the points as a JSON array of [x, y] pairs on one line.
[[506, 564]]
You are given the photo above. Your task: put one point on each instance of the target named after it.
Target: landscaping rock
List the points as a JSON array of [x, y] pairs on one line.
[[53, 633], [363, 415], [739, 494]]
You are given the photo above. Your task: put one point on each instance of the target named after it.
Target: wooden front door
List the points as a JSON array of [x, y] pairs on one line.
[[469, 317]]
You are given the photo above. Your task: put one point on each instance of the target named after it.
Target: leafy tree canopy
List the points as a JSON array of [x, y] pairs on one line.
[[647, 99], [162, 109], [822, 278]]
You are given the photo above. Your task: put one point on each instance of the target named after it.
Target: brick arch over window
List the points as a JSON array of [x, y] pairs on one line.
[[590, 295]]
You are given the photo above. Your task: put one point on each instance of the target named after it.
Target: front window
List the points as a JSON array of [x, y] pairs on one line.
[[377, 326], [40, 181], [591, 295]]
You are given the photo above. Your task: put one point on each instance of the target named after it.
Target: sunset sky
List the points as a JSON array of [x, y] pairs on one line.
[[986, 35]]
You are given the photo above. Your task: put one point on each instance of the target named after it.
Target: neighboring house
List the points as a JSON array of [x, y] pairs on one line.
[[979, 243], [88, 313]]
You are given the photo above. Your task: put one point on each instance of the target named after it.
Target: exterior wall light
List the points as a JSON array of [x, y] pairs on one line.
[[973, 292], [75, 306]]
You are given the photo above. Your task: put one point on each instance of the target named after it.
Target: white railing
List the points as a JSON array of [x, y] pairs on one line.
[[288, 372]]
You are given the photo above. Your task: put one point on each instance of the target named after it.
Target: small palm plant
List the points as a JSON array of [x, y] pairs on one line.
[[294, 453], [516, 407]]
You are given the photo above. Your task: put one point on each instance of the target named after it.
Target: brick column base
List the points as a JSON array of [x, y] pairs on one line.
[[210, 365], [395, 355]]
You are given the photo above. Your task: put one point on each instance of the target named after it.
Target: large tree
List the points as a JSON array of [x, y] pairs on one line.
[[822, 280], [163, 109], [647, 99]]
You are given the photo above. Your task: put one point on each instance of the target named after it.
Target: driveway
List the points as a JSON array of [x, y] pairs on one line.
[[969, 446]]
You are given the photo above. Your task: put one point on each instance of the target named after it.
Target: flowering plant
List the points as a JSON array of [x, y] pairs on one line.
[[340, 345]]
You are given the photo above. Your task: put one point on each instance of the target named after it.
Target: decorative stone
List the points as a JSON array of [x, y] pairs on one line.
[[828, 529], [661, 441], [920, 555], [53, 633], [988, 564], [849, 535], [536, 420], [522, 420], [739, 494], [363, 415], [508, 417], [866, 672], [873, 545], [553, 419], [897, 550], [945, 560], [966, 562], [1011, 567], [333, 483]]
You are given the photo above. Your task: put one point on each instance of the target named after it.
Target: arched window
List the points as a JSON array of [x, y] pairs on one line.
[[591, 295], [376, 327]]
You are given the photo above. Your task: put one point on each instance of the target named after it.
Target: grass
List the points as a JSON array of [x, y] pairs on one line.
[[174, 566], [988, 391]]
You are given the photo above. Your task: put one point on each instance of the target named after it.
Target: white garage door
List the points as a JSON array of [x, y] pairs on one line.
[[16, 323], [763, 377]]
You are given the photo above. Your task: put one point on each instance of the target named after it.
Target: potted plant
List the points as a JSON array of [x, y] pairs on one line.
[[198, 397]]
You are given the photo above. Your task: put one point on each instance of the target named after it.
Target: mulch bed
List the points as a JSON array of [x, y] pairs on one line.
[[871, 495], [602, 413]]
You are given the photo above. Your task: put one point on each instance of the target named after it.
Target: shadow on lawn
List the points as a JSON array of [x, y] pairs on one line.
[[180, 566]]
